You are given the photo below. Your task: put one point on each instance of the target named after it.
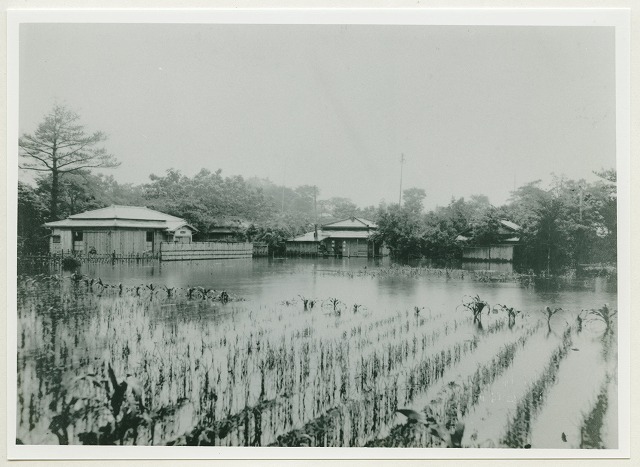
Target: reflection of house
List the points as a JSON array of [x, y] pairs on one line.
[[122, 230], [224, 230], [348, 237], [502, 250]]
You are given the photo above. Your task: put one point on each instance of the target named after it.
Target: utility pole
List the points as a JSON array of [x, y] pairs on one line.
[[581, 188], [315, 203], [284, 166], [401, 164]]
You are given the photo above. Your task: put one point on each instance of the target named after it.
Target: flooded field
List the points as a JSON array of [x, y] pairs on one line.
[[315, 353]]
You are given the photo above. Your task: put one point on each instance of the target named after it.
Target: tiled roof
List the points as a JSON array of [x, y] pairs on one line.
[[125, 212], [123, 217]]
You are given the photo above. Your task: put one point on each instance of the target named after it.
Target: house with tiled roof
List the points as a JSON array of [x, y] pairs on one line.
[[119, 230], [347, 238]]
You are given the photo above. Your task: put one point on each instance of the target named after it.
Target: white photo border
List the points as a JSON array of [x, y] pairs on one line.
[[618, 18]]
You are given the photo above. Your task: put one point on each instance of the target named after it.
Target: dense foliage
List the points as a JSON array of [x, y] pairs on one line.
[[569, 223]]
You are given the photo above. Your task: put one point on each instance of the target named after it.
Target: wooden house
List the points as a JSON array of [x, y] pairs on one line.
[[346, 238], [119, 230], [500, 251], [224, 229]]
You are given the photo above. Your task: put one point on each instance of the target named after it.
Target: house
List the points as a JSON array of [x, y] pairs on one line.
[[224, 229], [346, 238], [119, 230], [502, 250]]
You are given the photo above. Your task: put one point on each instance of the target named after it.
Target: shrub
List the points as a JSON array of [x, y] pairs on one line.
[[69, 263]]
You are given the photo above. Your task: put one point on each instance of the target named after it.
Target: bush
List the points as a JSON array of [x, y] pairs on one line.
[[69, 263]]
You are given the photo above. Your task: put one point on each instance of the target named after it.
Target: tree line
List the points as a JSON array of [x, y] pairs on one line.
[[567, 223]]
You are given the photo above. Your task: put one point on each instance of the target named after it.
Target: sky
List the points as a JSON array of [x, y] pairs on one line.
[[473, 109]]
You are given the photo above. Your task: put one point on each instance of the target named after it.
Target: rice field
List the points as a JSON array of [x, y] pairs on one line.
[[159, 363]]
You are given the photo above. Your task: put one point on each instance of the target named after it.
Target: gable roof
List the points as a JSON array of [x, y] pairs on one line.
[[351, 223]]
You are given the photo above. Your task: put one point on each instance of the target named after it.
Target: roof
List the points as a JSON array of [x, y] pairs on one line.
[[322, 235], [126, 212], [122, 217], [509, 224], [506, 228], [310, 237], [351, 223]]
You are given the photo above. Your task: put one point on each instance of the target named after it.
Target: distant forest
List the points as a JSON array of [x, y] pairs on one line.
[[571, 222]]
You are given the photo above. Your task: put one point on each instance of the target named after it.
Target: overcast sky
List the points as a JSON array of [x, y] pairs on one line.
[[473, 109]]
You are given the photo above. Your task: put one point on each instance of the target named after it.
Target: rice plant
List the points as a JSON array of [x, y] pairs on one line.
[[476, 306]]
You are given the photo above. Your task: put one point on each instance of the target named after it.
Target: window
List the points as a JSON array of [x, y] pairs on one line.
[[55, 238], [150, 235], [77, 236]]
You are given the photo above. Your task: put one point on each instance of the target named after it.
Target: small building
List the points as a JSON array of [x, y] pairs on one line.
[[347, 238], [119, 230], [224, 229], [500, 251]]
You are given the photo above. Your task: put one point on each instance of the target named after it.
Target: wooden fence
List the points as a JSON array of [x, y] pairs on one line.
[[205, 250]]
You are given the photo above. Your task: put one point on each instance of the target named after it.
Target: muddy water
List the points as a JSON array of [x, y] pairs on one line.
[[309, 377]]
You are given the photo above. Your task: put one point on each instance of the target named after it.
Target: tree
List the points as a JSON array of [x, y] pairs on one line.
[[413, 200], [60, 146], [208, 199], [31, 214], [401, 231], [82, 191], [339, 208]]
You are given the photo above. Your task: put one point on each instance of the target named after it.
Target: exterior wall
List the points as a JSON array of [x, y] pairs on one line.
[[489, 253], [65, 243], [353, 247], [260, 249], [182, 235], [348, 247], [302, 248], [107, 241]]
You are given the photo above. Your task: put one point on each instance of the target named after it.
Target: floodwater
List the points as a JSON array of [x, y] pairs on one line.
[[265, 281], [264, 369]]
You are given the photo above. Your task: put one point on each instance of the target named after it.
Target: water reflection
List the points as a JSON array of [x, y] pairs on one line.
[[502, 267], [267, 371]]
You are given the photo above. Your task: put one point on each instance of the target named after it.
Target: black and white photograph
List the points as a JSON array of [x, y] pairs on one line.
[[406, 231]]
